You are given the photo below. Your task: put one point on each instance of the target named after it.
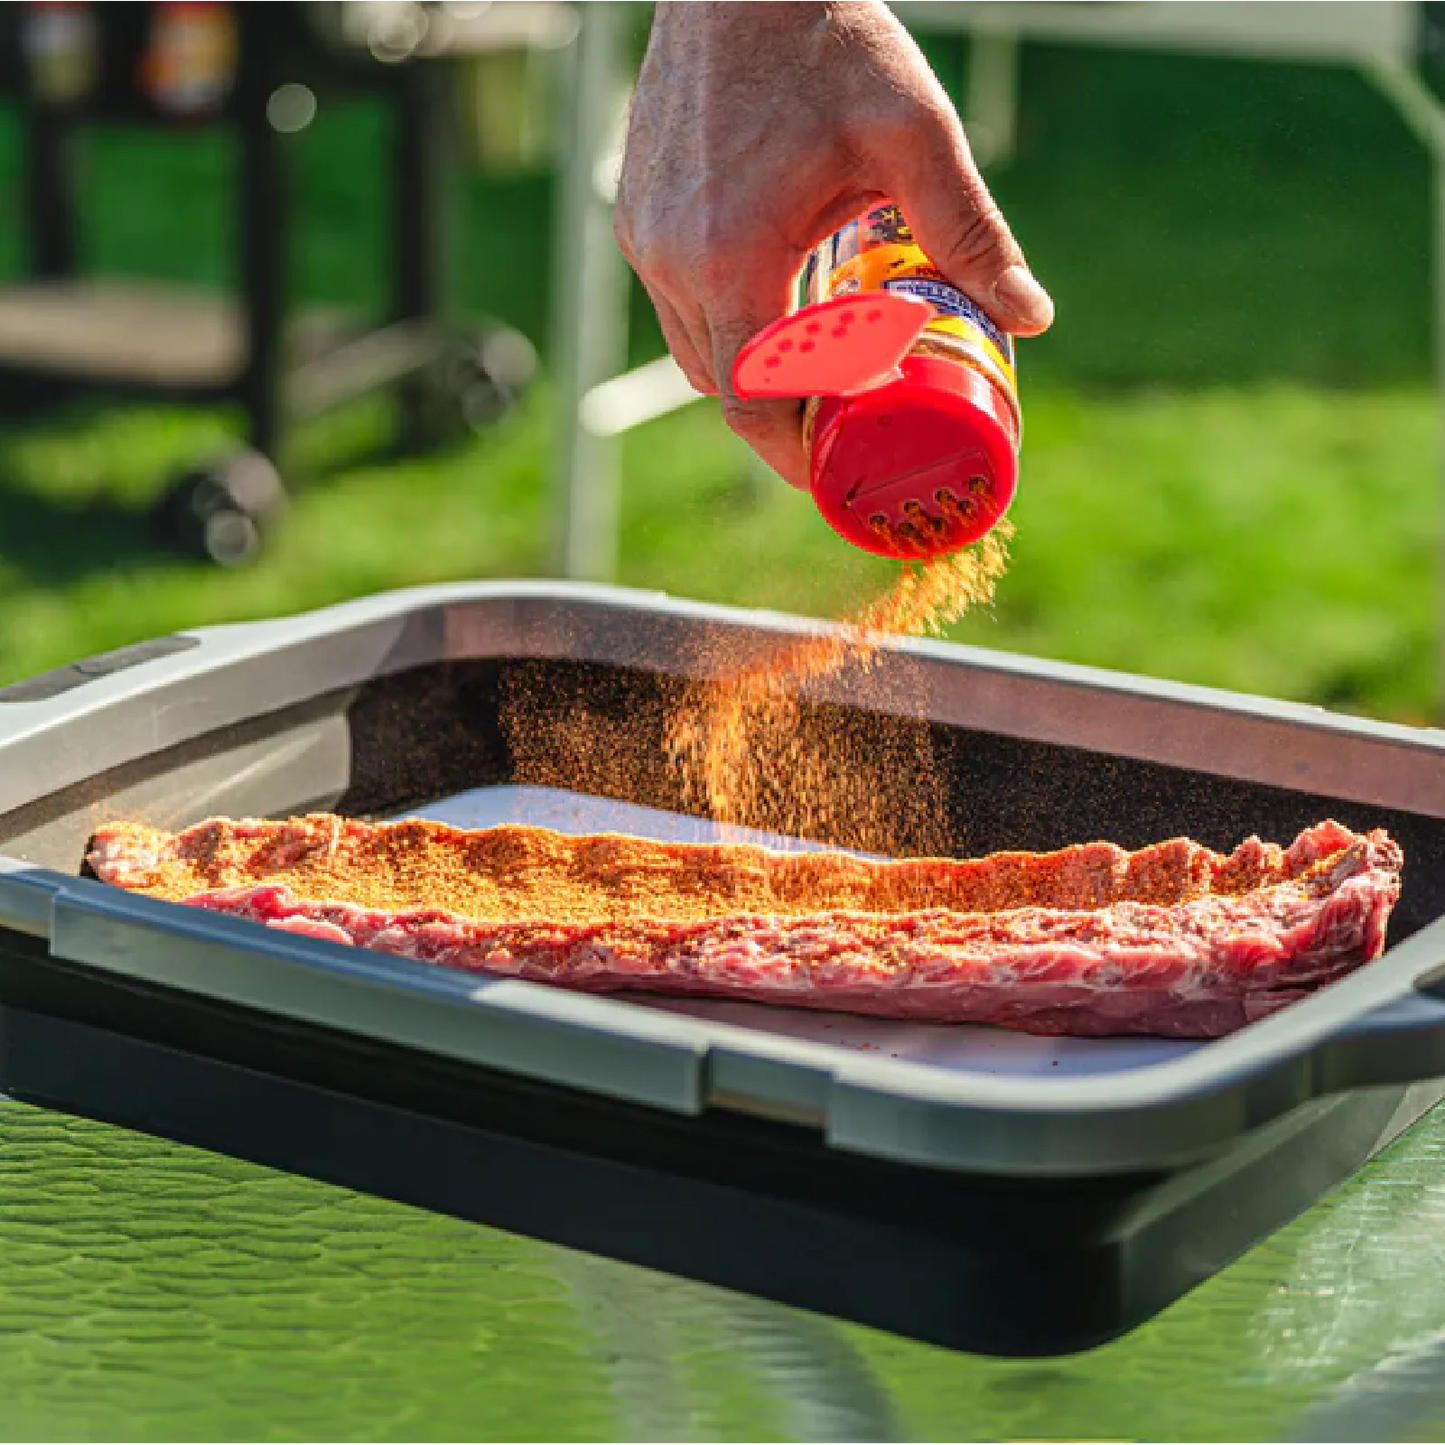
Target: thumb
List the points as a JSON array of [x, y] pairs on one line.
[[961, 229]]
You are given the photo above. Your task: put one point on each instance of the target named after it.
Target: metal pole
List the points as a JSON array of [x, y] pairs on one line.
[[1437, 281], [50, 190], [421, 173], [1424, 114], [265, 231], [590, 292], [991, 122], [422, 221]]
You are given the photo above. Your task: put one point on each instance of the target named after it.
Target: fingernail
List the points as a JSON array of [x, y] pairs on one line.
[[1022, 298]]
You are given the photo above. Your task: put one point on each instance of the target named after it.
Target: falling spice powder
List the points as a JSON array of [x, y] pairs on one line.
[[743, 744]]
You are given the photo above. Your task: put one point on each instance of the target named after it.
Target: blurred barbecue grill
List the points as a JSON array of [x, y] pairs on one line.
[[259, 70]]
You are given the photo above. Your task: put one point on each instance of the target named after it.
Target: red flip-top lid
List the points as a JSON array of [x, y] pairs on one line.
[[835, 348]]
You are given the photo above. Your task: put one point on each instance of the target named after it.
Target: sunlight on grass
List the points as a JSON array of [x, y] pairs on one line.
[[1278, 541]]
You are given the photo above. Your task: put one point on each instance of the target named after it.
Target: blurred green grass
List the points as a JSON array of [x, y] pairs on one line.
[[1230, 471]]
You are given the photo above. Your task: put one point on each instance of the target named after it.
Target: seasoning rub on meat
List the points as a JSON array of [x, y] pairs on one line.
[[1173, 940]]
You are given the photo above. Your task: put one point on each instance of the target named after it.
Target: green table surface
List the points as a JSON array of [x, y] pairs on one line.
[[154, 1291]]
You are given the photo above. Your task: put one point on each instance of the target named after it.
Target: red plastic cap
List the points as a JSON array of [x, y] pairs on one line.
[[918, 467], [835, 348]]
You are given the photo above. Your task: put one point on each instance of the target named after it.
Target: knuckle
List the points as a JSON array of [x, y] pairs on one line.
[[681, 275], [658, 260], [899, 124], [642, 230], [674, 252]]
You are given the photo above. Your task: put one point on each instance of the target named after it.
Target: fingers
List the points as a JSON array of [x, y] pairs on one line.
[[689, 345], [959, 225], [772, 428], [705, 348]]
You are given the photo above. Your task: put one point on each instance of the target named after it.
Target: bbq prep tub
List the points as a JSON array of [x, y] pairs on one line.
[[969, 1187]]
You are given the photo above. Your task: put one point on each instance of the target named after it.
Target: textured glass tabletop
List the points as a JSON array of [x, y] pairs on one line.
[[153, 1291]]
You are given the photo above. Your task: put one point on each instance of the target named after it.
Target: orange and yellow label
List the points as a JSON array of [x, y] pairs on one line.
[[877, 252]]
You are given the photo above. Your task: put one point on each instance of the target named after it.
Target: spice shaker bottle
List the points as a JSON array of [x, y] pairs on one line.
[[911, 420]]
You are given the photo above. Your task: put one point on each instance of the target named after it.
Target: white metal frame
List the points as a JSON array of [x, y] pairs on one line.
[[598, 402]]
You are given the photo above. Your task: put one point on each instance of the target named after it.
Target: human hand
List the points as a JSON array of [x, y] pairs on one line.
[[757, 130]]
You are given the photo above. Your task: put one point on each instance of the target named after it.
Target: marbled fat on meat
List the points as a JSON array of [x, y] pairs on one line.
[[1174, 940]]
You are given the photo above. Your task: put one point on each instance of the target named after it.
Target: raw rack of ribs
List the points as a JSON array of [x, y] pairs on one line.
[[1172, 940]]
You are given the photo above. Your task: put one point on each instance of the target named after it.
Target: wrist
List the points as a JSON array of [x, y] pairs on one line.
[[728, 14]]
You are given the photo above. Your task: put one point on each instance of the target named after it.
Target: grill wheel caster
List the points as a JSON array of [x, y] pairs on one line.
[[221, 511], [475, 383]]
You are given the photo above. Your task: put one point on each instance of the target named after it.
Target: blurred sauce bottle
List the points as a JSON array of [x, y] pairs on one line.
[[189, 66], [61, 47]]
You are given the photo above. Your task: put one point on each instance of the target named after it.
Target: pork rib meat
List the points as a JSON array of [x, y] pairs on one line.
[[1173, 940]]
